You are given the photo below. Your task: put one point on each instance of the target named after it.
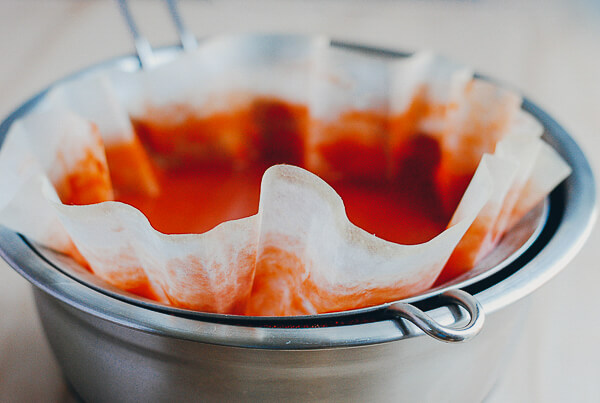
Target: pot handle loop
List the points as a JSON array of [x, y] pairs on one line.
[[448, 334]]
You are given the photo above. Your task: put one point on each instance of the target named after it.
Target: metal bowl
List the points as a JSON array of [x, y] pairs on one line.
[[113, 347]]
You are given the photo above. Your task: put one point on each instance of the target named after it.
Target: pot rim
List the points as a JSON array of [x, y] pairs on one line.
[[572, 214]]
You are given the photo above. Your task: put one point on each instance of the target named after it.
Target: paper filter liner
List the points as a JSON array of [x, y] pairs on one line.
[[300, 254]]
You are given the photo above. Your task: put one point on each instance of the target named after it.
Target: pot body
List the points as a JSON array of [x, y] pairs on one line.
[[111, 350], [105, 362]]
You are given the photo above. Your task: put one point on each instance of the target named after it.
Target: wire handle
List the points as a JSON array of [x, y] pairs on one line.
[[441, 332], [187, 39], [142, 46]]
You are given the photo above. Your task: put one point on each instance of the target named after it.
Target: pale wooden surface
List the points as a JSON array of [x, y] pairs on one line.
[[549, 50]]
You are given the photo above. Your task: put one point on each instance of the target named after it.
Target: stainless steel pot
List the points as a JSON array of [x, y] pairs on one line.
[[115, 349]]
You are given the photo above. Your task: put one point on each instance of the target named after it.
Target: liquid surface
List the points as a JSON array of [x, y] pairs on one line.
[[194, 201], [197, 193]]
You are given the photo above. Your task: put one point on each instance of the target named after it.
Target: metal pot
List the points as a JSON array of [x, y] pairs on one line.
[[115, 349]]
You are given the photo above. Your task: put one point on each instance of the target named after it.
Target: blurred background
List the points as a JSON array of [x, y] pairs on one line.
[[548, 50]]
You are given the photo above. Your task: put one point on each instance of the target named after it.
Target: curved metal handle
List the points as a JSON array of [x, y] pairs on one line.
[[188, 40], [142, 46], [441, 332]]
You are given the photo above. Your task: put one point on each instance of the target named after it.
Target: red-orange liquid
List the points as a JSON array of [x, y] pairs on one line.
[[196, 195], [190, 172], [194, 201]]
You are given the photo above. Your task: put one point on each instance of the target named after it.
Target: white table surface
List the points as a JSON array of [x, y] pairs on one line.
[[548, 49]]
